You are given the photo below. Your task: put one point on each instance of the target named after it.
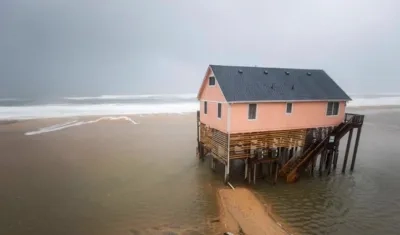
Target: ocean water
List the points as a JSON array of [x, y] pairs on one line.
[[15, 108]]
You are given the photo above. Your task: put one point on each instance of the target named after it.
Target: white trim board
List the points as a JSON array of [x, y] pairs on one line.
[[213, 101], [271, 101], [284, 101]]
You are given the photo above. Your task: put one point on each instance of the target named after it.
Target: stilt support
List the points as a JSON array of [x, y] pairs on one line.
[[336, 156], [226, 173], [313, 162], [353, 161], [330, 160], [254, 173], [322, 161], [213, 164], [246, 168], [346, 155], [276, 173]]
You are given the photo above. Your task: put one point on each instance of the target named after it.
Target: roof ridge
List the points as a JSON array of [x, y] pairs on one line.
[[262, 67]]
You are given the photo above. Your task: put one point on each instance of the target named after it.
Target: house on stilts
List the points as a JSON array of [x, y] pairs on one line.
[[279, 121]]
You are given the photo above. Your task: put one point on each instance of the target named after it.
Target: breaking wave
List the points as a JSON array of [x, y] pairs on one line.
[[11, 108], [51, 111]]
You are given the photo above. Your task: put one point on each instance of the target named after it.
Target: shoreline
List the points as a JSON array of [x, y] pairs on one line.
[[16, 119]]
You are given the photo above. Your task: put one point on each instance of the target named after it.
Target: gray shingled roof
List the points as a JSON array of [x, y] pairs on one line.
[[253, 84]]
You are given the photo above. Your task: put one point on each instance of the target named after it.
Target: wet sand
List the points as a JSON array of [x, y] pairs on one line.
[[109, 177], [241, 211]]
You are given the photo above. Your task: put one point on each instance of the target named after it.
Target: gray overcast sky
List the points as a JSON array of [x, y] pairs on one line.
[[50, 48]]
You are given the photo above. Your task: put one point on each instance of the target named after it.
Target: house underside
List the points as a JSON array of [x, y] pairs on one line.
[[285, 151]]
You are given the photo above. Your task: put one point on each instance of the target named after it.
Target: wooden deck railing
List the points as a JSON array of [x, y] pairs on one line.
[[354, 118]]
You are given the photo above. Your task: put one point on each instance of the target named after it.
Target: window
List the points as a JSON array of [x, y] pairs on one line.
[[332, 109], [219, 110], [289, 107], [205, 107], [211, 81], [252, 111]]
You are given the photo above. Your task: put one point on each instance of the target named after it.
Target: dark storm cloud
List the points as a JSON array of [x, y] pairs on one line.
[[50, 48]]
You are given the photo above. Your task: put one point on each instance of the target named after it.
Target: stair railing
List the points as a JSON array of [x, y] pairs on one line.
[[294, 159], [306, 156]]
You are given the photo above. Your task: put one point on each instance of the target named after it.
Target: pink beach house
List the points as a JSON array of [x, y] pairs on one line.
[[272, 107], [248, 99]]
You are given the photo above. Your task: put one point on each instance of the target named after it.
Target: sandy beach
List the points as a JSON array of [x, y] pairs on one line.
[[242, 212]]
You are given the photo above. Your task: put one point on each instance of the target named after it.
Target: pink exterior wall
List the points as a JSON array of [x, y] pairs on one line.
[[213, 95], [272, 116], [211, 119]]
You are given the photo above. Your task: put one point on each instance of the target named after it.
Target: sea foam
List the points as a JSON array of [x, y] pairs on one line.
[[74, 123], [376, 101], [54, 111]]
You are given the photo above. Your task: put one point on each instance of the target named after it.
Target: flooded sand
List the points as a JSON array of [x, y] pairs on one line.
[[114, 177], [110, 177]]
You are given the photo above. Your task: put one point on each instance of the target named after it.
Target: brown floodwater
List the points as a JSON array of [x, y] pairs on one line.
[[114, 177], [366, 201]]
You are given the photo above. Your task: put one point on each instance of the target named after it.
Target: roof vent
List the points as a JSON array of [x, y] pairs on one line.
[[266, 71], [292, 87], [272, 86], [287, 72], [240, 71], [308, 73]]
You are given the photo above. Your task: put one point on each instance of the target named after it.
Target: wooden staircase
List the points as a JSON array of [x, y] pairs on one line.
[[291, 168]]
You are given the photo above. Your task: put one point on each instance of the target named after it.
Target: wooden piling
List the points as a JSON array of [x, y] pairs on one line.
[[199, 145], [261, 170], [330, 161], [276, 173], [322, 161], [336, 156], [326, 163], [313, 162], [227, 172], [353, 161], [270, 169], [198, 126], [346, 155], [249, 172], [254, 173], [201, 151], [212, 163], [246, 168], [287, 152]]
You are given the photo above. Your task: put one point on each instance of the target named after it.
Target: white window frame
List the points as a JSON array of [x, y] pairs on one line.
[[327, 106], [219, 116], [215, 81], [248, 111], [205, 105], [291, 109]]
